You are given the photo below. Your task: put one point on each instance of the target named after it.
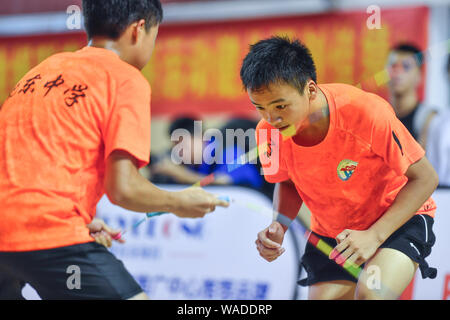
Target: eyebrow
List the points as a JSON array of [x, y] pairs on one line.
[[274, 101]]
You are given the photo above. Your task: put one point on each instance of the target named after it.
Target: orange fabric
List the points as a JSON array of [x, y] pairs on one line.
[[57, 128], [352, 177]]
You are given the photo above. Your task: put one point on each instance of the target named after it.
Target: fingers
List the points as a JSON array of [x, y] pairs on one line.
[[266, 241], [108, 234], [341, 236], [275, 227], [118, 237], [221, 202], [102, 238], [216, 201], [96, 225], [346, 253], [355, 260], [269, 254]]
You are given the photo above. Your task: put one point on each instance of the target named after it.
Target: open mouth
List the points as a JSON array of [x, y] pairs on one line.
[[284, 128]]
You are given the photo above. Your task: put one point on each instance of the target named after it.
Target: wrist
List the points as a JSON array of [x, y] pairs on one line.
[[284, 221], [174, 201], [380, 234]]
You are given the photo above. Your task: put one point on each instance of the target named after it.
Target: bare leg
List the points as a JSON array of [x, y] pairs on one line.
[[386, 275], [332, 290]]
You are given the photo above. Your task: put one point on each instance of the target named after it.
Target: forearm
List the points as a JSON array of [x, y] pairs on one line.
[[410, 198], [184, 175], [136, 193], [144, 196], [286, 203]]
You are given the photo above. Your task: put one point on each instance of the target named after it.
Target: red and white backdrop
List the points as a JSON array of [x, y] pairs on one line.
[[195, 67]]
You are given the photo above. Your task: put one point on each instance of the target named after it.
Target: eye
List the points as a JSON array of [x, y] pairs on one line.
[[259, 108], [281, 107]]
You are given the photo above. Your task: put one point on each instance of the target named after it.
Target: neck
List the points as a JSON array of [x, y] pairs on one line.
[[404, 104], [315, 128], [112, 45]]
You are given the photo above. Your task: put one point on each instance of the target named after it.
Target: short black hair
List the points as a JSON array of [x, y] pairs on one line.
[[276, 60], [183, 122], [412, 49], [110, 18]]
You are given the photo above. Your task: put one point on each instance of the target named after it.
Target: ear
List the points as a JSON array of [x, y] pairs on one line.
[[138, 30], [312, 89]]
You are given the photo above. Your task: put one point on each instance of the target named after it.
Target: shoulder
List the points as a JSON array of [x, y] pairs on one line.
[[355, 106], [354, 98], [107, 65]]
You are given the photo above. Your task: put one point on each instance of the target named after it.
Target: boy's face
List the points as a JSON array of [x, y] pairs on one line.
[[403, 71], [282, 105]]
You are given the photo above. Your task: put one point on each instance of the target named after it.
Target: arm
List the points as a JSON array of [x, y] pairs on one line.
[[127, 188], [422, 181], [287, 204]]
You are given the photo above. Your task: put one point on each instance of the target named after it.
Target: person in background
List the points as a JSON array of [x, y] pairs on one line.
[[405, 67], [240, 141], [165, 169], [438, 140], [228, 168], [75, 145]]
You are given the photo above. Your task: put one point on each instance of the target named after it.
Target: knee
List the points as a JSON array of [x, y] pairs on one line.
[[364, 293]]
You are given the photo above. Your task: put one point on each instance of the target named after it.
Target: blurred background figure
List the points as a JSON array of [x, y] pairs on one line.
[[230, 161], [428, 124], [405, 67], [438, 140], [164, 169], [239, 134]]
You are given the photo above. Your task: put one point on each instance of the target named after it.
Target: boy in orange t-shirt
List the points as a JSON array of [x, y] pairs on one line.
[[75, 127], [343, 153]]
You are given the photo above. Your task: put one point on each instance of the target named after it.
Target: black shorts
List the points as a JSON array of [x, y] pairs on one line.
[[82, 271], [415, 239]]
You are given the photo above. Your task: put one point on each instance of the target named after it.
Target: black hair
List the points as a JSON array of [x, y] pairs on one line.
[[412, 49], [277, 60], [185, 122], [110, 18]]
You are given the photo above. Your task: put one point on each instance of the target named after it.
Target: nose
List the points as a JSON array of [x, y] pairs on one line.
[[273, 118]]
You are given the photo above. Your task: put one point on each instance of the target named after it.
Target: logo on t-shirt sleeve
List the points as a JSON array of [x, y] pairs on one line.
[[346, 168], [397, 141]]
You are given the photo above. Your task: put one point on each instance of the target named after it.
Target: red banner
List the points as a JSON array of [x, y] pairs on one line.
[[195, 67]]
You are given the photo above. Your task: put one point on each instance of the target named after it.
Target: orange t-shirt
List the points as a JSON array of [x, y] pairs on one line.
[[351, 177], [58, 126]]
